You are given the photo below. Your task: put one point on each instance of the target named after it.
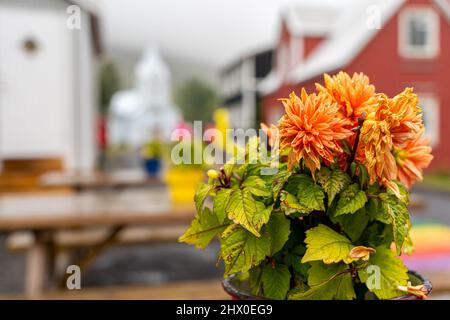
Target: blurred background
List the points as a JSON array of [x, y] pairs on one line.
[[90, 92]]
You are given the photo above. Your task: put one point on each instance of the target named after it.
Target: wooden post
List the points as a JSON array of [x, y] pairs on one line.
[[39, 264]]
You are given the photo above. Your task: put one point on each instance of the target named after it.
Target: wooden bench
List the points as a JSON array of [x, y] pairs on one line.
[[62, 221], [72, 239]]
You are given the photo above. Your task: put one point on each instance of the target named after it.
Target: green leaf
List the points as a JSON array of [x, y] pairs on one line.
[[279, 180], [395, 212], [384, 273], [323, 243], [228, 169], [241, 170], [241, 250], [276, 281], [257, 186], [289, 204], [350, 200], [220, 203], [278, 229], [247, 212], [404, 193], [309, 194], [201, 193], [332, 181], [255, 281], [408, 246], [327, 282], [353, 224], [203, 229], [372, 208], [363, 175], [293, 259]]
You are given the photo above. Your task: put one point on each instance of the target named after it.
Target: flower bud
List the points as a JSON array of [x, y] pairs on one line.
[[213, 174]]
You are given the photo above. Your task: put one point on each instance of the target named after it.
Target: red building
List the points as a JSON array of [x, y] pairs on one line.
[[397, 43]]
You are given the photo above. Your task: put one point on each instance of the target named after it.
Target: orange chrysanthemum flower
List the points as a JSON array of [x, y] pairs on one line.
[[374, 150], [392, 127], [412, 159], [403, 115], [354, 95], [311, 129]]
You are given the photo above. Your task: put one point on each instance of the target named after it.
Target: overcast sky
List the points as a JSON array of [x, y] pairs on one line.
[[207, 31]]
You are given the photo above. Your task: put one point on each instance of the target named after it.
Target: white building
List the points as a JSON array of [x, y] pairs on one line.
[[146, 111], [238, 87], [48, 81]]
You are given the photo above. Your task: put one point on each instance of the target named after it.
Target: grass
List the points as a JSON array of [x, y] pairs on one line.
[[437, 181]]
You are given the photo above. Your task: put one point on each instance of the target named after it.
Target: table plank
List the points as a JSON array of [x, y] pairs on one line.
[[83, 180], [34, 212]]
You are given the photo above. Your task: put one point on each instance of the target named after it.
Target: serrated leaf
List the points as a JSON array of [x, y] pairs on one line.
[[310, 194], [276, 281], [257, 186], [255, 281], [395, 212], [372, 208], [241, 250], [404, 193], [289, 204], [325, 244], [278, 229], [408, 246], [384, 273], [247, 212], [279, 180], [327, 282], [350, 200], [203, 229], [353, 224], [332, 181], [220, 203], [201, 193]]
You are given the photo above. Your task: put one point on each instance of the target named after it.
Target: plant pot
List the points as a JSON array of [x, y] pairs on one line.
[[182, 183], [239, 290], [152, 166]]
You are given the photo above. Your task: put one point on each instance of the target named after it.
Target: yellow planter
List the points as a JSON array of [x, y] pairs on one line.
[[182, 183]]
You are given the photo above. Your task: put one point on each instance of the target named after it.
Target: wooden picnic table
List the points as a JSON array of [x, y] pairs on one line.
[[93, 180], [44, 215]]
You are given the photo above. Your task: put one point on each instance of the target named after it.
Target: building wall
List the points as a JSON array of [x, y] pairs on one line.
[[47, 97], [390, 73]]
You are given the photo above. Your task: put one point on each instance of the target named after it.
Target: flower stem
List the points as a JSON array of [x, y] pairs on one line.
[[355, 145]]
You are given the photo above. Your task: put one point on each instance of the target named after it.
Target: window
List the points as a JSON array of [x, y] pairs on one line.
[[430, 108], [419, 33]]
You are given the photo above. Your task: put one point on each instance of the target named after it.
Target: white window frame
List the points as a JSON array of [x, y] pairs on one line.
[[431, 50], [431, 115]]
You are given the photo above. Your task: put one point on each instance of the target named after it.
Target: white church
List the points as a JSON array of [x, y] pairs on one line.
[[146, 111], [49, 51]]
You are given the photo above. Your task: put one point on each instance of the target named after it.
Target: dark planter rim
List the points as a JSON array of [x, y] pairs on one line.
[[235, 293]]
